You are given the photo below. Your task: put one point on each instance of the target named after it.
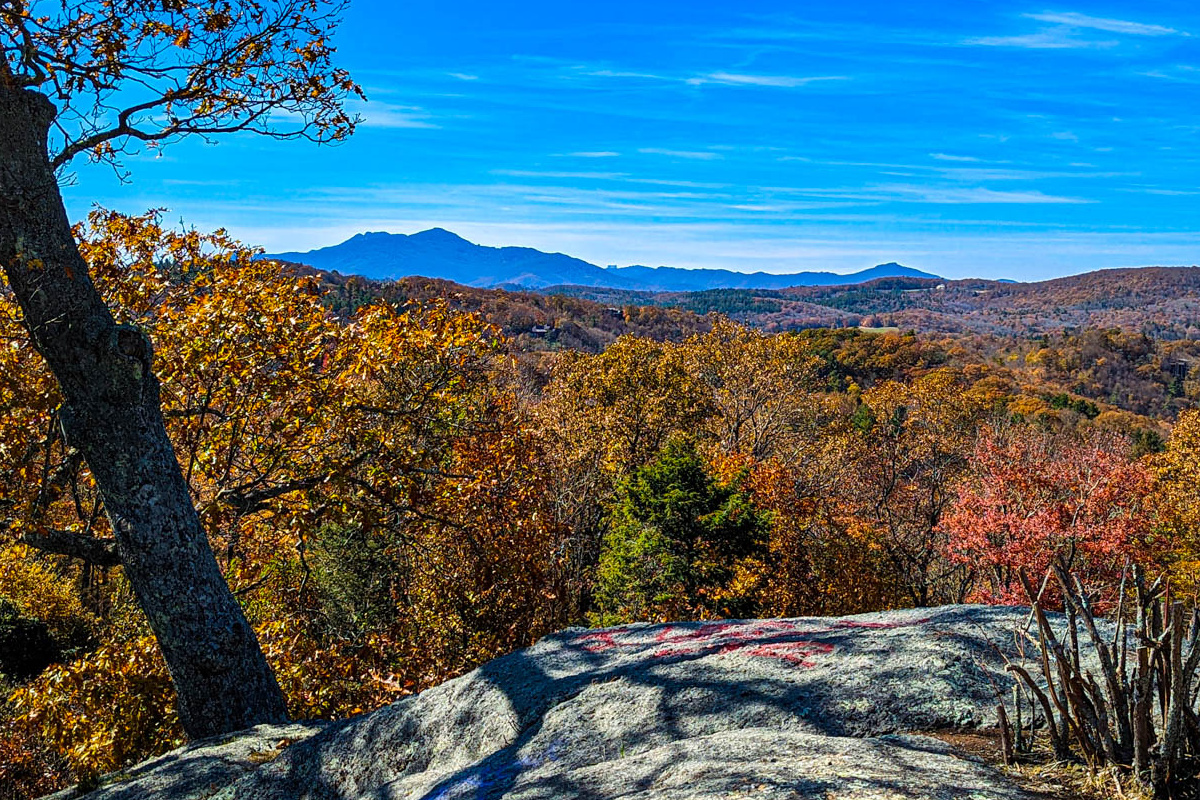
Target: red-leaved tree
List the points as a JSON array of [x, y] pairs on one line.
[[1033, 496]]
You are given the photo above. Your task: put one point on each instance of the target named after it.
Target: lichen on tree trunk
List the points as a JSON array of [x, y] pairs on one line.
[[111, 414]]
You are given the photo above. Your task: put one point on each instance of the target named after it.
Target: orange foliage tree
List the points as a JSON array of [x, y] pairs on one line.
[[908, 444], [820, 560], [94, 78], [368, 486]]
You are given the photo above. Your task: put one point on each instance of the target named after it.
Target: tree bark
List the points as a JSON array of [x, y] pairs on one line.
[[111, 414]]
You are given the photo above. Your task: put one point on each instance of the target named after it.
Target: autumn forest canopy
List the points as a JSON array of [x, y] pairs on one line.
[[399, 492], [234, 490]]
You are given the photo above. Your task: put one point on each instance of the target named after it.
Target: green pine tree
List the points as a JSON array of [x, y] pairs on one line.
[[676, 538]]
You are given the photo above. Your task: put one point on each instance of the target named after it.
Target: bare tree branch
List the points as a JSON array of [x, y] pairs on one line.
[[98, 552], [195, 68]]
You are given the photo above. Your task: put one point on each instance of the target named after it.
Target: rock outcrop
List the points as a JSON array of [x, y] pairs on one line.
[[801, 708]]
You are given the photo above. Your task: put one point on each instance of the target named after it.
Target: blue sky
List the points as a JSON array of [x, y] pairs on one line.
[[973, 138]]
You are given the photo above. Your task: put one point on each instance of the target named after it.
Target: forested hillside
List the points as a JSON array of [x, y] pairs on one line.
[[1117, 368], [1162, 302], [401, 481], [532, 320]]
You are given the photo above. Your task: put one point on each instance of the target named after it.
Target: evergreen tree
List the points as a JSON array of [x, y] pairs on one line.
[[676, 539]]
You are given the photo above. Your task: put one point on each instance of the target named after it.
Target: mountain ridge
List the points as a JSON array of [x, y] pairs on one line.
[[676, 279], [439, 253]]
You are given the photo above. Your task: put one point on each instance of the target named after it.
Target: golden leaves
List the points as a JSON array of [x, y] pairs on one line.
[[105, 709], [1177, 500], [288, 422]]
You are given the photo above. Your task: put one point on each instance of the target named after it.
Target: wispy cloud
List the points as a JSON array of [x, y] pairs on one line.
[[717, 78], [622, 73], [595, 154], [1164, 192], [949, 157], [1180, 73], [779, 81], [1057, 39], [942, 195], [1075, 20], [378, 114], [1069, 30], [978, 195], [700, 155], [680, 183], [531, 173], [463, 76], [981, 174]]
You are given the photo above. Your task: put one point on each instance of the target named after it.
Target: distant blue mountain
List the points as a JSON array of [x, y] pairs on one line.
[[438, 253], [673, 279]]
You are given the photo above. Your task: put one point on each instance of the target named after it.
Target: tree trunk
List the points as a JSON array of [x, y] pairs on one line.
[[111, 414]]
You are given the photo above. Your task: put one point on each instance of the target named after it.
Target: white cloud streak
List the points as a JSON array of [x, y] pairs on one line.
[[776, 81], [378, 114], [948, 157], [699, 155], [979, 195], [1058, 39], [1076, 20], [719, 78], [942, 195]]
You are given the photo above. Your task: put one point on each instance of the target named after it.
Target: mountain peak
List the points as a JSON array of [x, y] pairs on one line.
[[438, 234]]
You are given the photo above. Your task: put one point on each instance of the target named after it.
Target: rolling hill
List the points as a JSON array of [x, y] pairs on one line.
[[1162, 302]]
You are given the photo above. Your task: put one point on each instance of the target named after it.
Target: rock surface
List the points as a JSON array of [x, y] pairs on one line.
[[201, 769], [802, 708]]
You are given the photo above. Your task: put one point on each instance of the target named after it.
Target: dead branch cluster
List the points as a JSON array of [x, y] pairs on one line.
[[1139, 717]]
